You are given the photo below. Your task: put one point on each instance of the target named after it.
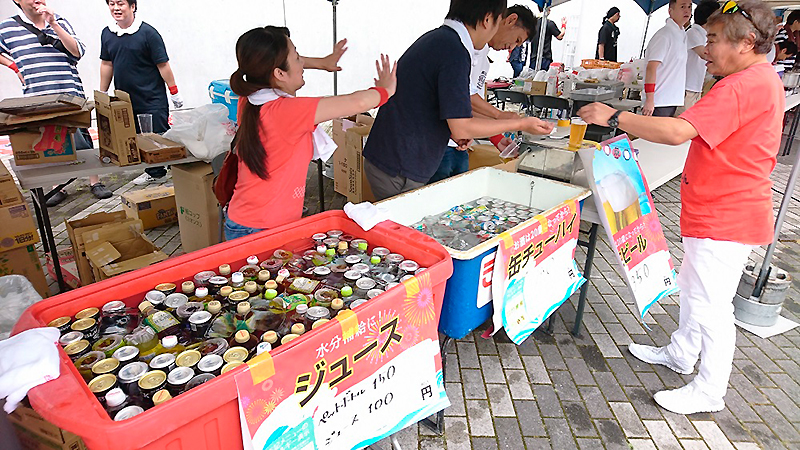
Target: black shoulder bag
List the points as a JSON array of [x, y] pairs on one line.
[[44, 39]]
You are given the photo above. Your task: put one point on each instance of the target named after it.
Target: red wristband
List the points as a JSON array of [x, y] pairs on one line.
[[496, 139], [649, 88], [13, 66], [173, 89], [384, 95]]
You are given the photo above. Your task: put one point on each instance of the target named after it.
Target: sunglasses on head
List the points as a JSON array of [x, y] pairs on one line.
[[731, 7]]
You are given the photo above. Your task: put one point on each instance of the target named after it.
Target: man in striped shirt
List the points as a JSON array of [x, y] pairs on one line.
[[47, 60], [786, 33]]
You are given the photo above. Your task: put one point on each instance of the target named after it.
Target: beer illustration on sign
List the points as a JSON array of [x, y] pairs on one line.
[[630, 220]]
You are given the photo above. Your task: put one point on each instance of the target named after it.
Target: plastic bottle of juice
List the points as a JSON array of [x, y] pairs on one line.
[[162, 322]]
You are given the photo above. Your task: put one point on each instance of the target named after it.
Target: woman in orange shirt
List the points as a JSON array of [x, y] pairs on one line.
[[278, 132]]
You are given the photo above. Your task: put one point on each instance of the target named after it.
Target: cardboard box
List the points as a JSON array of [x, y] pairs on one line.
[[121, 250], [77, 228], [349, 178], [484, 155], [198, 210], [9, 192], [154, 207], [25, 261], [116, 128], [535, 87], [35, 433], [48, 144], [18, 229], [341, 166], [156, 149], [69, 267], [58, 109]]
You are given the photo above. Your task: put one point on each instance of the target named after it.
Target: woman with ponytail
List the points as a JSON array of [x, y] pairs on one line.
[[607, 37], [278, 132]]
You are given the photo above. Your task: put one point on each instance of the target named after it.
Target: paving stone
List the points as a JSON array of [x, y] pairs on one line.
[[783, 402], [534, 366], [560, 433], [746, 446], [479, 418], [628, 420], [547, 400], [693, 444], [518, 384], [712, 435], [580, 371], [500, 400], [552, 357], [452, 373], [787, 384], [747, 390], [596, 405], [761, 359], [579, 419], [731, 426], [778, 423], [593, 358], [662, 435], [508, 433], [479, 443], [680, 425], [528, 347], [467, 355], [607, 346], [755, 375], [486, 346], [642, 444], [509, 357], [610, 387], [611, 434], [530, 420], [566, 344], [455, 394], [623, 372], [651, 382], [590, 444], [739, 407], [643, 402], [492, 371], [537, 443], [474, 387], [431, 443]]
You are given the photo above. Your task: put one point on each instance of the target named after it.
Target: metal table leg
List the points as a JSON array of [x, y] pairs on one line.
[[437, 425], [49, 237], [321, 178], [792, 130], [38, 211], [587, 273]]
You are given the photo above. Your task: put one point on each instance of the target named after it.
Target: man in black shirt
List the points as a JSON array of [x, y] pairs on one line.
[[607, 37], [551, 31]]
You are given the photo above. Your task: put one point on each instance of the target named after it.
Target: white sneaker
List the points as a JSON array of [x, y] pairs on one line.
[[143, 179], [657, 355], [688, 400]]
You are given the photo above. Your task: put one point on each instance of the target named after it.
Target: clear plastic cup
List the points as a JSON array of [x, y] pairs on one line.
[[145, 123]]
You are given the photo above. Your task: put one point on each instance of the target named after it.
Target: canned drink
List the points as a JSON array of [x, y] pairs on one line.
[[334, 233], [408, 267], [363, 285], [224, 270], [391, 285], [101, 385], [161, 397], [62, 324], [70, 337], [186, 310], [386, 278], [372, 293], [324, 296], [331, 242], [128, 412], [359, 244], [178, 379], [210, 364], [150, 383], [199, 322], [234, 364], [317, 312], [357, 303], [352, 276], [106, 366], [88, 327], [394, 259], [213, 346], [482, 201], [130, 374], [319, 237], [483, 218], [201, 278], [283, 255], [406, 277], [86, 362], [421, 269], [126, 354], [362, 268], [109, 344], [250, 272], [198, 380], [164, 362], [352, 260], [113, 307], [88, 313], [236, 354], [188, 358], [381, 252], [238, 296], [321, 272], [166, 288], [173, 301], [215, 283], [156, 298]]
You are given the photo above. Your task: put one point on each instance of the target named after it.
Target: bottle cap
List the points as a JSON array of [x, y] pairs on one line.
[[288, 338], [225, 291], [347, 291], [243, 308], [362, 246], [252, 260], [251, 287], [169, 341], [269, 294], [187, 287], [298, 329], [160, 397], [282, 275], [319, 323], [375, 260], [271, 284], [214, 307], [263, 275], [330, 252], [115, 397], [145, 305], [337, 303], [200, 317], [242, 336], [302, 308], [128, 412], [343, 246], [270, 336], [321, 249], [225, 270], [263, 347], [237, 277], [201, 292]]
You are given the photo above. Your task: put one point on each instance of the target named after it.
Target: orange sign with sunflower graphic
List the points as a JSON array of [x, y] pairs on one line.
[[363, 376]]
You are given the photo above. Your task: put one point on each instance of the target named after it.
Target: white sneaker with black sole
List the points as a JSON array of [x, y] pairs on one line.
[[657, 355], [688, 400]]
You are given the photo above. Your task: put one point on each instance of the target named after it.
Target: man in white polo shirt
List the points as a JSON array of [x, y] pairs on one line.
[[516, 26], [696, 59], [665, 76]]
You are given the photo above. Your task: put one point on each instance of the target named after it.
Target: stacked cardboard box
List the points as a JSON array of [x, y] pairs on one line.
[[198, 209], [349, 179], [35, 433], [154, 207], [17, 235]]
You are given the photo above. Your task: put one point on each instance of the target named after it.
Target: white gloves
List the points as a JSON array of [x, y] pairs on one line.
[[177, 100]]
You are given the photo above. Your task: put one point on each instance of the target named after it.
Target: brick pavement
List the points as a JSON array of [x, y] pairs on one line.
[[562, 392]]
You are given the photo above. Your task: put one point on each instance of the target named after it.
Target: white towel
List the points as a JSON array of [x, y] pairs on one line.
[[365, 214], [323, 144], [26, 361], [114, 28]]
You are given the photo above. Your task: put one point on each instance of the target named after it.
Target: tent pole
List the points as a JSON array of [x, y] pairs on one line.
[[644, 38], [335, 74], [542, 31]]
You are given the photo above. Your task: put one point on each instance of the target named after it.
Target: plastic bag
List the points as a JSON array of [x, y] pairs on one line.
[[16, 295], [205, 131]]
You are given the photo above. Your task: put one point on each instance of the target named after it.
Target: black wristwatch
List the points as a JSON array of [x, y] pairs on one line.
[[613, 122]]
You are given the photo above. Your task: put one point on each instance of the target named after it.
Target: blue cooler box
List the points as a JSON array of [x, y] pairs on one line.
[[468, 295], [220, 92]]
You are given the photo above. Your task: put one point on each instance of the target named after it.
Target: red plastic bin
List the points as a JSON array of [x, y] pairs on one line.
[[206, 417]]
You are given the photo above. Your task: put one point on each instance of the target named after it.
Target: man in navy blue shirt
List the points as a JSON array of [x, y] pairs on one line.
[[432, 102], [133, 53]]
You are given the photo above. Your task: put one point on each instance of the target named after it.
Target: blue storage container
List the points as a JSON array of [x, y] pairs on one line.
[[467, 297], [220, 92]]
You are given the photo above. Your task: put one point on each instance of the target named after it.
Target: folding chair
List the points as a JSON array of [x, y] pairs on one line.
[[520, 98]]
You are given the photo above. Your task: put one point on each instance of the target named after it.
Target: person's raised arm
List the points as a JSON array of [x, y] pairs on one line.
[[330, 62], [66, 36], [650, 87], [346, 105], [485, 109], [476, 127], [661, 130], [106, 73]]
